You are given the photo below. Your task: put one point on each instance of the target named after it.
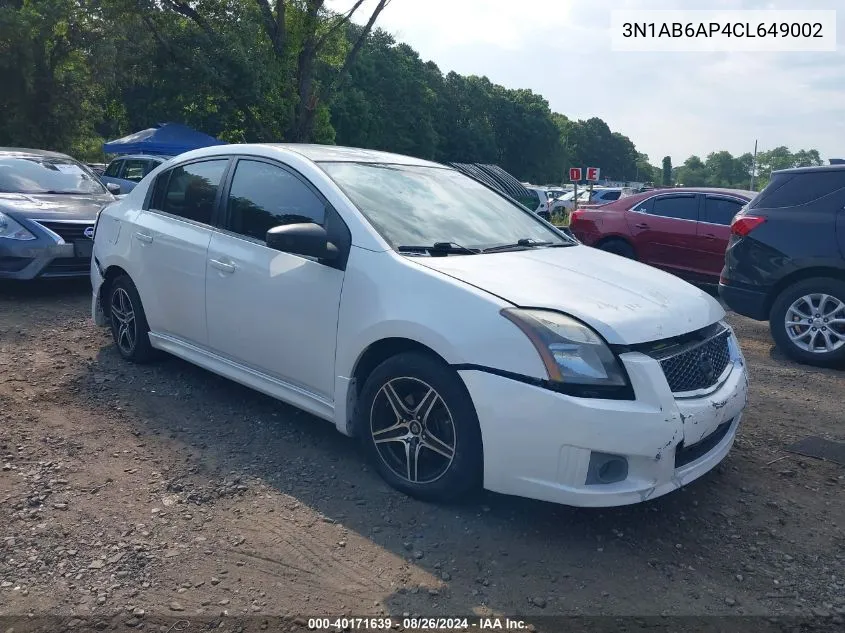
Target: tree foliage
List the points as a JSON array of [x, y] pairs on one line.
[[666, 172], [721, 169], [74, 73]]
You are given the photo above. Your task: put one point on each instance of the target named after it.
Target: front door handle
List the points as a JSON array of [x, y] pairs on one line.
[[143, 237], [222, 266], [641, 225]]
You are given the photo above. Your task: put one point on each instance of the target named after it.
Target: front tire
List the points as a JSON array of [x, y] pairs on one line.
[[807, 321], [419, 427], [128, 322]]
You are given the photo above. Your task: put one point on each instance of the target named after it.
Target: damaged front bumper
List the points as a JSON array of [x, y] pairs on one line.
[[97, 279], [546, 445]]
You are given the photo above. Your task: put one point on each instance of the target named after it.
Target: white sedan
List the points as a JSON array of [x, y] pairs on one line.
[[566, 202], [465, 341]]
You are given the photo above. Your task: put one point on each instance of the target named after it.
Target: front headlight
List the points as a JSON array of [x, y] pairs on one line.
[[13, 230], [572, 352]]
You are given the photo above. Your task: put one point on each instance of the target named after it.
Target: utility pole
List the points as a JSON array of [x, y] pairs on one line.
[[753, 165]]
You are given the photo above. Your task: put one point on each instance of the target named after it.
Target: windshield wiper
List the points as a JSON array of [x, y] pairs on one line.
[[523, 243], [440, 248], [56, 192]]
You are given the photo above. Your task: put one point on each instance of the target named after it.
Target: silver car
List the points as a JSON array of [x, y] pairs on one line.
[[48, 207], [128, 171]]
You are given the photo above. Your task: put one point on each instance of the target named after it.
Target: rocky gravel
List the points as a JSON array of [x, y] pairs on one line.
[[135, 495]]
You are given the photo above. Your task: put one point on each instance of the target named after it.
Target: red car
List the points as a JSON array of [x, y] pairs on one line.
[[682, 230]]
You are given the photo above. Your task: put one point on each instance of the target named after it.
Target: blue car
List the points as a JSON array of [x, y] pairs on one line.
[[127, 171]]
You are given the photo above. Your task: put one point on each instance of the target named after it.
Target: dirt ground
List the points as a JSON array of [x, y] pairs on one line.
[[129, 491]]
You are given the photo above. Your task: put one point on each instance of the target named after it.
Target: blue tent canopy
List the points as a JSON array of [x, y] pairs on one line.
[[169, 139]]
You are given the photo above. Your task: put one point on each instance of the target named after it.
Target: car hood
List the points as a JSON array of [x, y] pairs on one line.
[[53, 207], [625, 301]]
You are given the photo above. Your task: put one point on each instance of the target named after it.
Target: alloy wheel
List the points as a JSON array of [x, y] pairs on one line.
[[123, 320], [815, 323], [413, 430]]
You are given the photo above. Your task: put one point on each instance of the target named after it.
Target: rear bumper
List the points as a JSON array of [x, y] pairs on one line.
[[744, 301]]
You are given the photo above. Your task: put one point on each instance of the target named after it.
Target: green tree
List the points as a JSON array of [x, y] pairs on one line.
[[693, 173], [296, 47], [645, 172], [48, 96], [390, 101], [806, 158], [667, 171]]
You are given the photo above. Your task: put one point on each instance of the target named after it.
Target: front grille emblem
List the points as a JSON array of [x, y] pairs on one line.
[[89, 232]]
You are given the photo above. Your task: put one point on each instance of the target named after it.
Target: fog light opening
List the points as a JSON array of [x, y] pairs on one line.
[[606, 469]]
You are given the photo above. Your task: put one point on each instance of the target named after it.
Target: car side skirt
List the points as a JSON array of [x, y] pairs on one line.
[[286, 392]]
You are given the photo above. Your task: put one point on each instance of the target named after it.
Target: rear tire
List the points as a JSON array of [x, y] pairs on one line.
[[418, 425], [800, 333], [618, 247], [128, 322]]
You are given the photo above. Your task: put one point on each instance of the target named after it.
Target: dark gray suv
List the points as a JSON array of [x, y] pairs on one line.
[[785, 262], [48, 206]]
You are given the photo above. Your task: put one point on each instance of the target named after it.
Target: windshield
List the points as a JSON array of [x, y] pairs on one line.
[[415, 205], [36, 174]]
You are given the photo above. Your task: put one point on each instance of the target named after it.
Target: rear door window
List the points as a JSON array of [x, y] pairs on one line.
[[797, 189], [721, 210], [190, 191]]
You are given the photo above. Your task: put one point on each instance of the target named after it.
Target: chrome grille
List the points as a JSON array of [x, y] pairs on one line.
[[69, 231], [698, 367]]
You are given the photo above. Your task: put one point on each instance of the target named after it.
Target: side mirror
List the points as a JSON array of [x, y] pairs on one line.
[[305, 238], [113, 188]]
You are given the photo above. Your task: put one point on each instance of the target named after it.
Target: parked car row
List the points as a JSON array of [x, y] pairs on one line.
[[595, 196], [367, 287]]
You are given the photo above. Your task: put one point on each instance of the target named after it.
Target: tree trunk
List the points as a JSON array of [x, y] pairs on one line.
[[303, 124]]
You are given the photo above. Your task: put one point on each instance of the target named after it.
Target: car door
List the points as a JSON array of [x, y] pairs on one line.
[[663, 230], [170, 239], [271, 311], [714, 231]]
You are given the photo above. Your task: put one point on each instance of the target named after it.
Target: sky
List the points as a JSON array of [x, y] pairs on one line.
[[675, 104]]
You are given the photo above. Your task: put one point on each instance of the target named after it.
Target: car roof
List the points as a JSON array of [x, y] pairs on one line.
[[626, 202], [339, 154], [143, 156], [736, 192], [804, 170], [25, 151]]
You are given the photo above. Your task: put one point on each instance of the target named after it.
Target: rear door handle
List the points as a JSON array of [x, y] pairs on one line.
[[143, 237], [222, 266], [641, 225], [709, 236]]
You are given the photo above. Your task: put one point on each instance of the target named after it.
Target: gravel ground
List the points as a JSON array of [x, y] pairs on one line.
[[129, 492]]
